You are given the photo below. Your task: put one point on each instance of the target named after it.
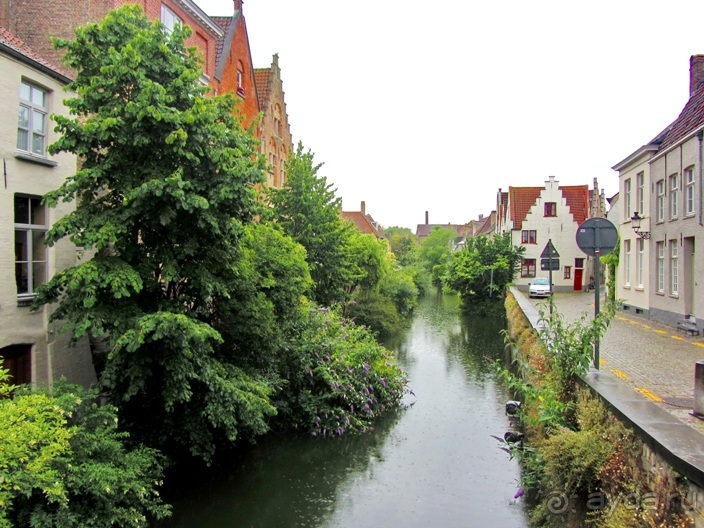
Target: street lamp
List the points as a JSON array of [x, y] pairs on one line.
[[635, 224]]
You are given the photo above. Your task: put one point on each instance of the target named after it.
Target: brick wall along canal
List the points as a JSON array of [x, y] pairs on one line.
[[433, 464]]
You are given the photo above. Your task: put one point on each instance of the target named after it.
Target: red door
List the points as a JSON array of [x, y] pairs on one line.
[[578, 279]]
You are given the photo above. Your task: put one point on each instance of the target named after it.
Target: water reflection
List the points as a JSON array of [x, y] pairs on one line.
[[433, 464]]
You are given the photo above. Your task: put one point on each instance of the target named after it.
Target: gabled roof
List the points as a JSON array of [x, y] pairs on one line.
[[577, 198], [261, 80], [223, 23], [690, 119], [521, 199], [15, 46], [489, 225], [364, 223]]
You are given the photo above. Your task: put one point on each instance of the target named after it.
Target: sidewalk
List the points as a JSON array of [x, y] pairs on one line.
[[656, 360]]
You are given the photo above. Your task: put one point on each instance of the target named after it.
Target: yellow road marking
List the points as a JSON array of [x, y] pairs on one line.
[[620, 374], [648, 327], [699, 344], [649, 395], [634, 322], [623, 318], [677, 337], [660, 331], [604, 362]]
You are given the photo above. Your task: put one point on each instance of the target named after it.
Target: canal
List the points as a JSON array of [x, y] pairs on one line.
[[433, 463]]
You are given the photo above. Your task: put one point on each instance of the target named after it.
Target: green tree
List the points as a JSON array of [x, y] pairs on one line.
[[308, 210], [404, 245], [435, 252], [484, 268], [369, 262], [167, 182]]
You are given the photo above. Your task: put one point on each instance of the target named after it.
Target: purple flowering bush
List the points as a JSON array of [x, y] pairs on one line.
[[337, 377]]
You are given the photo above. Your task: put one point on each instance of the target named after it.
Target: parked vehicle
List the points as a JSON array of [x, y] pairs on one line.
[[539, 287]]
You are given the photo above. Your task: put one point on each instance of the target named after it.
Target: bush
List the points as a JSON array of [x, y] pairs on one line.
[[79, 470], [376, 312], [337, 378]]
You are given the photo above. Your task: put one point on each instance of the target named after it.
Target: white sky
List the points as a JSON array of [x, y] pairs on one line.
[[433, 106]]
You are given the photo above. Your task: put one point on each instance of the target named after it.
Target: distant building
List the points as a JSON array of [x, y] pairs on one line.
[[364, 222], [536, 215], [275, 131]]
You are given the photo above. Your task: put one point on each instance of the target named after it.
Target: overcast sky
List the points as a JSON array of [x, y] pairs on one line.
[[433, 106]]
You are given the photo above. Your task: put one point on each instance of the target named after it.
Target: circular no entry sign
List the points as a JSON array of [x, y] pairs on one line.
[[597, 236]]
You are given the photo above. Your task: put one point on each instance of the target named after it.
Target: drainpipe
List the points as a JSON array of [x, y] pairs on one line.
[[701, 178]]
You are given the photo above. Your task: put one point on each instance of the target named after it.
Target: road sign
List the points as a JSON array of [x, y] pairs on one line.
[[597, 236], [549, 251], [549, 264]]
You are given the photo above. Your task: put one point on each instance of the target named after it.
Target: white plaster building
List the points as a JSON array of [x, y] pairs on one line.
[[536, 215], [31, 347]]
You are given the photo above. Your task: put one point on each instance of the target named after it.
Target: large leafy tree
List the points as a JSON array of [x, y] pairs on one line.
[[435, 252], [484, 268], [404, 244], [166, 185], [308, 210]]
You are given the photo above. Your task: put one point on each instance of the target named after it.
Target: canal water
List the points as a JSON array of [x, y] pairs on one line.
[[434, 463]]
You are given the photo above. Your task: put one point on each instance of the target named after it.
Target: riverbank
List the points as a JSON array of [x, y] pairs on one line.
[[671, 450]]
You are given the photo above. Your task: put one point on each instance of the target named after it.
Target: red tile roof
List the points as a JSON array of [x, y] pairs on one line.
[[17, 45], [521, 199], [261, 81], [364, 223], [690, 119], [224, 24], [577, 198]]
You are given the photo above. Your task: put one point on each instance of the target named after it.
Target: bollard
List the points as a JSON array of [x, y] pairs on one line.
[[699, 389]]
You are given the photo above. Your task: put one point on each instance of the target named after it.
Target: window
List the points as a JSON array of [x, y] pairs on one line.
[[240, 79], [641, 263], [689, 191], [673, 196], [528, 237], [661, 267], [627, 198], [528, 268], [674, 271], [626, 262], [32, 121], [579, 263], [550, 209], [30, 250], [169, 19], [568, 272], [660, 200], [640, 193]]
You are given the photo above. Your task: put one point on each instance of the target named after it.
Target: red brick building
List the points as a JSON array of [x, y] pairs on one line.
[[35, 22]]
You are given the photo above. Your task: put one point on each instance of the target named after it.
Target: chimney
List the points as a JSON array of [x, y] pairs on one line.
[[696, 72], [426, 218], [238, 5], [364, 208]]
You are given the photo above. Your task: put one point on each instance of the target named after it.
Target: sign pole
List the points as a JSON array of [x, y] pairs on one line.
[[552, 300], [596, 304]]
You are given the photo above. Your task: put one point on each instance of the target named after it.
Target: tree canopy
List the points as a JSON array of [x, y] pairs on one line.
[[166, 184], [308, 210], [484, 268]]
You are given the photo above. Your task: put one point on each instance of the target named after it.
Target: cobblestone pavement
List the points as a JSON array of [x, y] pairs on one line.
[[655, 359]]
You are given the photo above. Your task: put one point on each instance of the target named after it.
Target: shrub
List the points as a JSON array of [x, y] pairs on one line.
[[80, 470], [337, 378]]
